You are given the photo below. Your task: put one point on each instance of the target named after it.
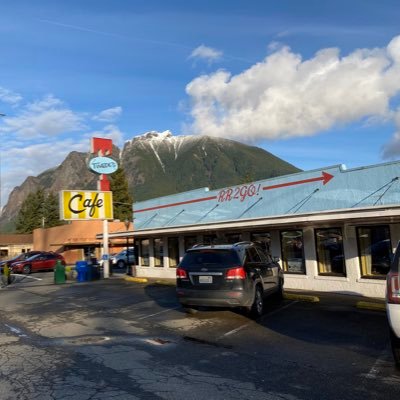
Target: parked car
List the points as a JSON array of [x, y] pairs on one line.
[[20, 257], [229, 275], [393, 305], [39, 262], [119, 260]]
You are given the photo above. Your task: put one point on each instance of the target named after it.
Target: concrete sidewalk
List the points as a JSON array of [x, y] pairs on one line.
[[349, 299]]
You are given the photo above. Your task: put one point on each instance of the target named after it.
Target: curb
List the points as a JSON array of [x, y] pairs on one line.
[[137, 280], [301, 297], [166, 283], [371, 306]]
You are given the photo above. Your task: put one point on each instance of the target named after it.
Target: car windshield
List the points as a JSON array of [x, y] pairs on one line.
[[34, 257], [211, 256]]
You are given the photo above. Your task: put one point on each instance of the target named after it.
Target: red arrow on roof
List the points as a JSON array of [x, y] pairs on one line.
[[325, 178]]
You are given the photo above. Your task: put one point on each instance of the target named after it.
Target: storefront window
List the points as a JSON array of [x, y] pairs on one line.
[[210, 239], [375, 251], [292, 252], [158, 253], [189, 241], [233, 237], [263, 239], [330, 255], [144, 252], [173, 251]]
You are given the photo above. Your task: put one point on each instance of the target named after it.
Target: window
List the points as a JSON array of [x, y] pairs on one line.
[[189, 242], [375, 251], [330, 255], [292, 252], [158, 253], [144, 252], [232, 238], [173, 251], [227, 258], [252, 255], [263, 239], [210, 239]]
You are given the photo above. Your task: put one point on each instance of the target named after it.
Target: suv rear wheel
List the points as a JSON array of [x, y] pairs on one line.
[[257, 307]]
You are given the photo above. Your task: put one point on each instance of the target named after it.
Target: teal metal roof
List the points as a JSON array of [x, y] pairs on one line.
[[331, 188]]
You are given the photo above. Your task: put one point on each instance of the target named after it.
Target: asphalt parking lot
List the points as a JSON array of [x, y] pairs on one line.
[[131, 340]]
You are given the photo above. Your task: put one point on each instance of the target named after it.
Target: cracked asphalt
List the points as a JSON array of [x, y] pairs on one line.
[[113, 339]]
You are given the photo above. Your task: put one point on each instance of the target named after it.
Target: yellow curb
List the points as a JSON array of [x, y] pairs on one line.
[[371, 306], [133, 279], [167, 283], [301, 297]]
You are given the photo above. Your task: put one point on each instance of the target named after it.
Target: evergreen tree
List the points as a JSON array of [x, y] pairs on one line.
[[122, 199], [38, 210], [51, 211]]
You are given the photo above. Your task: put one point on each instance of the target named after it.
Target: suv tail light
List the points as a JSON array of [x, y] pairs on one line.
[[181, 273], [236, 273], [393, 288]]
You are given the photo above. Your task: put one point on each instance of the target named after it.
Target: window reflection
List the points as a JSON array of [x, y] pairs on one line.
[[329, 243], [375, 250], [292, 252], [144, 252], [158, 253], [263, 239], [173, 251]]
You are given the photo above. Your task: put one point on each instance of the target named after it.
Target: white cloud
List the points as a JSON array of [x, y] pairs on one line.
[[109, 115], [285, 96], [9, 97], [392, 149], [46, 117], [110, 132], [32, 159], [41, 135], [206, 53]]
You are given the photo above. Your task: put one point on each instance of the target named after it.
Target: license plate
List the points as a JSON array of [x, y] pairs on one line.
[[205, 279]]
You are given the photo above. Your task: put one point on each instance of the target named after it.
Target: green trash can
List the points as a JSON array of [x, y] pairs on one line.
[[59, 272]]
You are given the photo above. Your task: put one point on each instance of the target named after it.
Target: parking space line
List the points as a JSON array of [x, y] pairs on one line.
[[26, 277], [160, 312], [236, 330], [378, 364], [17, 331], [233, 331]]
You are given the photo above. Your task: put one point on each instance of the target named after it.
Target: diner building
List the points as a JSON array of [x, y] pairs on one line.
[[334, 229]]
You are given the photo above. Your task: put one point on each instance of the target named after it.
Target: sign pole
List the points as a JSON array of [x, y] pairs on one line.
[[106, 262]]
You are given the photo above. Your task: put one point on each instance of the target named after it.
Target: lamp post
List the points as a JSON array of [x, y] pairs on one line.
[[127, 223]]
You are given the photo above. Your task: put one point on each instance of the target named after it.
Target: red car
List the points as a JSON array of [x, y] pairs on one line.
[[38, 262]]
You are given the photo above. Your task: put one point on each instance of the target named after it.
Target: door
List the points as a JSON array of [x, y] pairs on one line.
[[256, 266], [272, 270]]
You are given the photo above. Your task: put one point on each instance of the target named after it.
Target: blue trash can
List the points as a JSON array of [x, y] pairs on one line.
[[81, 268]]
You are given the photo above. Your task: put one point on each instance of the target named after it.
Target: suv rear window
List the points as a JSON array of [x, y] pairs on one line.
[[223, 258]]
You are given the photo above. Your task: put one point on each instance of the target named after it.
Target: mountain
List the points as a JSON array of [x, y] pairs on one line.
[[159, 164]]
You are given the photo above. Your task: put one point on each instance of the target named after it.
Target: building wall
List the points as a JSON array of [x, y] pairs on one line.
[[14, 244], [75, 238], [351, 284]]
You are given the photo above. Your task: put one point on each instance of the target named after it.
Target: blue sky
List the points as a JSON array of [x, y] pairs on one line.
[[316, 83]]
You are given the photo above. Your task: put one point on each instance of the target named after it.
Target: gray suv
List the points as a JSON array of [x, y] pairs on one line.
[[230, 275]]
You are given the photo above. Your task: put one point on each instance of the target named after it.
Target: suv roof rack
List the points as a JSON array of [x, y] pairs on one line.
[[243, 242]]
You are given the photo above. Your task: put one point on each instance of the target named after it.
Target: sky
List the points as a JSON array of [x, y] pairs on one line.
[[317, 83]]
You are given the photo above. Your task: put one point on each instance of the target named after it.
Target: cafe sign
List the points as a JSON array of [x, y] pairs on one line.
[[85, 205]]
